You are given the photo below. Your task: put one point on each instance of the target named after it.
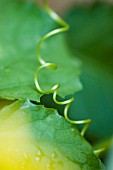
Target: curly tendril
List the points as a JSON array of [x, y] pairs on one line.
[[44, 64]]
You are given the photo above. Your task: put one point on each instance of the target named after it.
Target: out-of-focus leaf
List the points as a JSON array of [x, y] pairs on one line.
[[31, 134], [21, 26], [91, 32], [91, 37]]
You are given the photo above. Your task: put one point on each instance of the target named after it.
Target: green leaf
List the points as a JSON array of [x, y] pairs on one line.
[[91, 38], [29, 128], [22, 25]]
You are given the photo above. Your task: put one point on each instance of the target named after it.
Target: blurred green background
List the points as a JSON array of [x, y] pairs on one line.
[[90, 38]]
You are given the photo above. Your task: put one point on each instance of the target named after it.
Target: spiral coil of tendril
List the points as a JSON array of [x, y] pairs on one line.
[[44, 64], [52, 66]]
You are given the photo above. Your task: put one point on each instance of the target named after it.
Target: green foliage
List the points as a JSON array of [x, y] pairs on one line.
[[47, 126]]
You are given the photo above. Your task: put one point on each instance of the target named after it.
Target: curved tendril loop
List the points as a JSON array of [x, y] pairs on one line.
[[52, 66], [55, 17]]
